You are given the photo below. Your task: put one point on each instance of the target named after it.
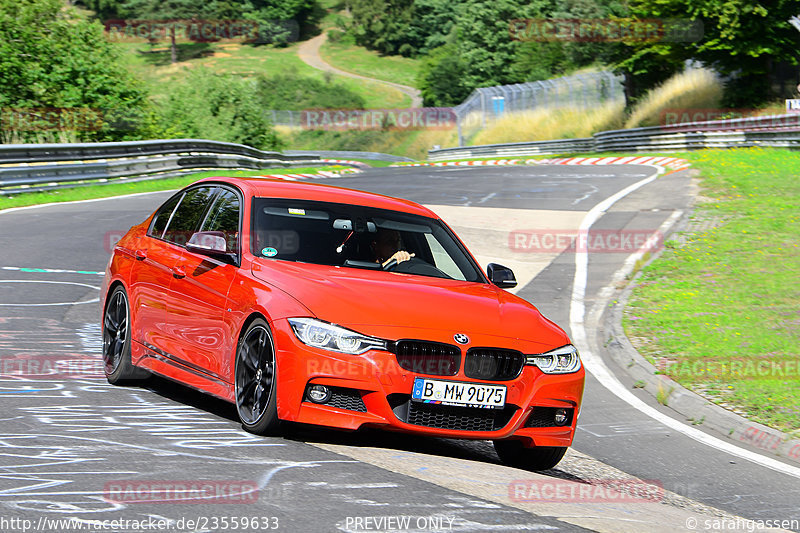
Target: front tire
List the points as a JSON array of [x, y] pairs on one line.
[[514, 453], [255, 380], [117, 340]]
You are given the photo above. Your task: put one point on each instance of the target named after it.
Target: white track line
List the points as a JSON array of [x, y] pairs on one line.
[[598, 368], [94, 300], [52, 271]]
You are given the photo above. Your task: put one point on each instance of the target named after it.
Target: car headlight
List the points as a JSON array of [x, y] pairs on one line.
[[327, 336], [564, 360]]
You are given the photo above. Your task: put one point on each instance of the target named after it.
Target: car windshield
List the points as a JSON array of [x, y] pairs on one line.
[[356, 236]]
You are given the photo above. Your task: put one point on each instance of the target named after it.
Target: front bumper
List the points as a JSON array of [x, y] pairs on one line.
[[385, 396]]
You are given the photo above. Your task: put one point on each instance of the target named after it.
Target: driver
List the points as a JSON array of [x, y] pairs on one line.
[[386, 247]]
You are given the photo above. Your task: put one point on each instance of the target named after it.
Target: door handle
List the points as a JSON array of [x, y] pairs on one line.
[[141, 255], [178, 273]]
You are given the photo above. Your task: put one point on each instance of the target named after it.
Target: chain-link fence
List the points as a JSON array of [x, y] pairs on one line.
[[582, 91]]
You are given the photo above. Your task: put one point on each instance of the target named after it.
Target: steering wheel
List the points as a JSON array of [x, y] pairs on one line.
[[415, 265]]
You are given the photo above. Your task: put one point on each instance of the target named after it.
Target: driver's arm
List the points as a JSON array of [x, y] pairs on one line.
[[400, 256]]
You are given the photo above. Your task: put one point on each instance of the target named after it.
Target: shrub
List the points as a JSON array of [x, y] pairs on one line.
[[219, 107]]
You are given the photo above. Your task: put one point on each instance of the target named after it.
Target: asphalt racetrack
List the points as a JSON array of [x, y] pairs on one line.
[[68, 439]]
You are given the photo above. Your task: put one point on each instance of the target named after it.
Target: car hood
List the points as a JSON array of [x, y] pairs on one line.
[[380, 303]]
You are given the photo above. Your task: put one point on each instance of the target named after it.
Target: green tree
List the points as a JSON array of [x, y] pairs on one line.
[[105, 9], [383, 26], [52, 58], [432, 21], [165, 11], [744, 40], [480, 51], [441, 78], [406, 27]]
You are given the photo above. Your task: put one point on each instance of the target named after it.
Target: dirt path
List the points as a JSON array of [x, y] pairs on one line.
[[309, 53]]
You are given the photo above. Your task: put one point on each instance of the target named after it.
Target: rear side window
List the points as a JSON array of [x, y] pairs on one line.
[[163, 215], [187, 216]]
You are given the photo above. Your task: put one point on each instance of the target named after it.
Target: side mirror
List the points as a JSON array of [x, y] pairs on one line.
[[208, 243], [501, 276]]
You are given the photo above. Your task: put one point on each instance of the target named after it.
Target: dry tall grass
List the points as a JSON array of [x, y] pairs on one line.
[[552, 123], [417, 146], [691, 89]]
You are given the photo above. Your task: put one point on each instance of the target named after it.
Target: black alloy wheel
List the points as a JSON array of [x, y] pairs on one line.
[[255, 385], [117, 340]]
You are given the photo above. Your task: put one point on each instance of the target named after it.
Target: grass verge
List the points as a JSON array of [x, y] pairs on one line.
[[718, 312], [359, 60], [119, 188]]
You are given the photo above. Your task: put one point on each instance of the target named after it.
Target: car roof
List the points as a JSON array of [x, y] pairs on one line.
[[276, 188]]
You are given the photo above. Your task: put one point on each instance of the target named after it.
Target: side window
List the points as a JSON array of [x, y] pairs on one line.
[[163, 215], [224, 217], [187, 216]]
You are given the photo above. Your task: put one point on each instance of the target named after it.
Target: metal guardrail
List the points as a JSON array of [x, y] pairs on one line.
[[344, 154], [514, 149], [48, 166], [22, 153], [780, 131]]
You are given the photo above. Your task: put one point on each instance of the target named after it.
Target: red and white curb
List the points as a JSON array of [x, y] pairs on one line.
[[358, 164], [672, 163], [322, 174]]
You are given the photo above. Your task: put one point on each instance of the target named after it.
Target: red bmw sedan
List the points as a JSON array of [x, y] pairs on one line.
[[322, 305]]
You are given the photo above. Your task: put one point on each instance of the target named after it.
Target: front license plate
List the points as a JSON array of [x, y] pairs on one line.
[[457, 393]]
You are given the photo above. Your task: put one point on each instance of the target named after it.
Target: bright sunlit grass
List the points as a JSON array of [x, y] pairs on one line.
[[359, 60]]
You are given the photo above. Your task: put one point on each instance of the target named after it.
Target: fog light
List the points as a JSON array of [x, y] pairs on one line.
[[561, 417], [319, 393]]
